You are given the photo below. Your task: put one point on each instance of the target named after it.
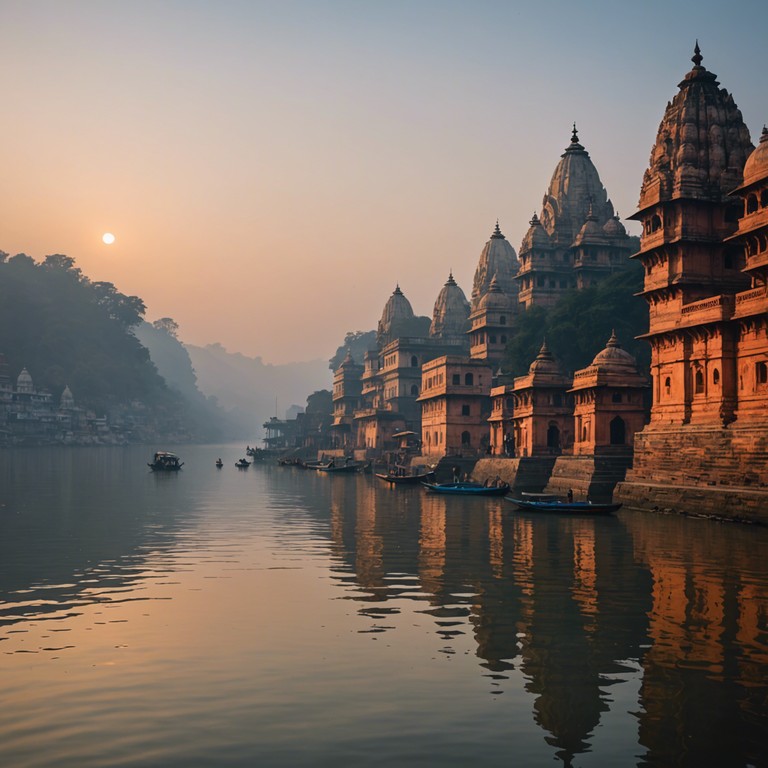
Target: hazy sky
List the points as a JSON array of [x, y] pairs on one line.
[[271, 170]]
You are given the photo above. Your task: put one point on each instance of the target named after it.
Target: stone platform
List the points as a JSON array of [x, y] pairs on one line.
[[700, 470], [589, 477]]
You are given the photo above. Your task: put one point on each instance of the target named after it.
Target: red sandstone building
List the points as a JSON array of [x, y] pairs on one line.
[[704, 208], [455, 407]]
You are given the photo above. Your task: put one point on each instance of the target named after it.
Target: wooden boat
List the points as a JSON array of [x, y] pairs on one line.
[[565, 507], [405, 479], [242, 464], [163, 461], [219, 463], [351, 466], [468, 489]]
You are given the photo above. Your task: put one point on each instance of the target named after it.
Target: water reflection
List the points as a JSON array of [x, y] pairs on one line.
[[580, 606], [633, 639]]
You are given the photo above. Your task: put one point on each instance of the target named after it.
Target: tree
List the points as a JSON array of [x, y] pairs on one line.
[[167, 325]]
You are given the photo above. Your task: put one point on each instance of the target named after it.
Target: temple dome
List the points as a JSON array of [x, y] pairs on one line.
[[451, 312], [536, 237], [498, 259], [544, 362], [591, 231], [756, 167], [575, 185], [397, 311], [494, 298], [67, 399], [24, 381], [614, 228], [614, 358], [701, 145]]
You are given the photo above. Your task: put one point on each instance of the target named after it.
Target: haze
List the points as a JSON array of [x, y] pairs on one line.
[[270, 170]]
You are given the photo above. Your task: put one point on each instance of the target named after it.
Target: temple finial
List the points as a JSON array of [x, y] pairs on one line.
[[697, 57], [574, 135]]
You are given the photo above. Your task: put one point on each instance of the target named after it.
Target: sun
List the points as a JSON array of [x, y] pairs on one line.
[[108, 238]]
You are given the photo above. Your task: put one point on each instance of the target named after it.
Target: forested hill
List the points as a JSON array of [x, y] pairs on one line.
[[67, 330]]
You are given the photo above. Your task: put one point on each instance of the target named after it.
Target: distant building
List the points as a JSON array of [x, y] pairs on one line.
[[577, 240]]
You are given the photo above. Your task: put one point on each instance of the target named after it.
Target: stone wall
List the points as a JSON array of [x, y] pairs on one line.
[[701, 470], [589, 477]]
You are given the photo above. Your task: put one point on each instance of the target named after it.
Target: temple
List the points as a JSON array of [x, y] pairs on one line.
[[704, 209], [691, 434], [578, 238]]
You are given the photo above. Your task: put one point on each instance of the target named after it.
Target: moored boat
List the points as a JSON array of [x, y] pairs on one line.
[[396, 479], [163, 461], [565, 507], [468, 488], [242, 464], [349, 466]]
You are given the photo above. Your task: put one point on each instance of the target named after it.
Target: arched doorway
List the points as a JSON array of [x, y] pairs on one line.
[[618, 431], [553, 438]]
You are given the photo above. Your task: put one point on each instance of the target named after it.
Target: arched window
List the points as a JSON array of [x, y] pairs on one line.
[[764, 199], [761, 373], [699, 382], [414, 390], [618, 431], [469, 379], [503, 320], [655, 223], [414, 362], [751, 203], [466, 438], [715, 376], [667, 386]]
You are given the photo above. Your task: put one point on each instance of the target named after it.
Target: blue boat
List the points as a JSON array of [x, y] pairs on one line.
[[566, 507], [468, 489]]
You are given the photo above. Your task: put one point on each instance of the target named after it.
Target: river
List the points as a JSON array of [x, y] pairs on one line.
[[281, 617]]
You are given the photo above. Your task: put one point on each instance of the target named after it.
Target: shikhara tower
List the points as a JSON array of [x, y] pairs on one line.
[[703, 248]]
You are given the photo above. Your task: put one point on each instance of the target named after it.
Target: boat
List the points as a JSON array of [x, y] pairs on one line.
[[396, 479], [163, 461], [565, 507], [349, 466], [219, 463], [242, 464], [468, 488]]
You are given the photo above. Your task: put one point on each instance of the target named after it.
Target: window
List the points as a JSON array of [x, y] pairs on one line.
[[492, 338], [414, 362], [699, 383], [456, 378], [751, 203], [715, 376], [667, 386], [655, 223], [414, 390], [465, 410], [469, 379], [503, 338], [466, 438], [616, 397], [764, 199], [761, 373], [503, 320]]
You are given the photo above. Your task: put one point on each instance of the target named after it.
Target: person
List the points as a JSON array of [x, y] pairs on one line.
[[455, 470], [486, 482], [570, 495], [497, 482]]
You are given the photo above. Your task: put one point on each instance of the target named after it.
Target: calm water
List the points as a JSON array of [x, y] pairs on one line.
[[277, 617]]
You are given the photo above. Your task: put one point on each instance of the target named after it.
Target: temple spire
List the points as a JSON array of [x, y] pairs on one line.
[[697, 58], [574, 135]]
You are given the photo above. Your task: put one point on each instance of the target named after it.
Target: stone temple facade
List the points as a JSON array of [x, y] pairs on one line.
[[704, 210]]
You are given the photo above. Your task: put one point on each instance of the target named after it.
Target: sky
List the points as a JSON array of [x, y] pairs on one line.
[[271, 170]]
